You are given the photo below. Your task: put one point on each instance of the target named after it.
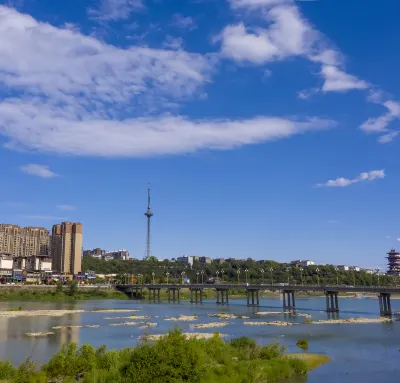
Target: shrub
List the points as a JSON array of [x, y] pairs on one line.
[[7, 371], [247, 348], [272, 351], [303, 344]]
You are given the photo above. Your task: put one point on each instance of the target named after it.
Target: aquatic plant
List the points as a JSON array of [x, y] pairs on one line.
[[303, 344]]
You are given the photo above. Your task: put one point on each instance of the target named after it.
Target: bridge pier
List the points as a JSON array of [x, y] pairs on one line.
[[253, 295], [385, 306], [154, 294], [224, 295], [291, 302], [197, 294], [175, 296], [332, 301]]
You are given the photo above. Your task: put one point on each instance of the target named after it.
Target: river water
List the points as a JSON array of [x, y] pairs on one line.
[[361, 353]]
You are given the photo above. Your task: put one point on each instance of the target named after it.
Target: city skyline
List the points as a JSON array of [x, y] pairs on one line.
[[265, 130]]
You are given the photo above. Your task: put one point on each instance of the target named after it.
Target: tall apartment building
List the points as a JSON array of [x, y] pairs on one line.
[[24, 241], [66, 247]]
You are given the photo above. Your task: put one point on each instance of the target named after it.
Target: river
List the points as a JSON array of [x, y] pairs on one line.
[[361, 353]]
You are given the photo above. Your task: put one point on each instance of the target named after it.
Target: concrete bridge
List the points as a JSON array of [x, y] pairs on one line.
[[253, 293]]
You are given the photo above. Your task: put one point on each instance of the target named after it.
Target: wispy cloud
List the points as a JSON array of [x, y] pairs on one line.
[[287, 34], [78, 95], [363, 177], [42, 171], [173, 42], [184, 22], [114, 10], [44, 218], [380, 124], [66, 207]]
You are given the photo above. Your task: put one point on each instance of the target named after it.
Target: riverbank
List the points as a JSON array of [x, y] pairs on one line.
[[174, 357]]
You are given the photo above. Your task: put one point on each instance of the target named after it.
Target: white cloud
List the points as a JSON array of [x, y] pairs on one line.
[[398, 239], [173, 42], [184, 22], [343, 182], [379, 124], [66, 207], [287, 33], [42, 171], [114, 10], [78, 95], [140, 136], [389, 137], [339, 81]]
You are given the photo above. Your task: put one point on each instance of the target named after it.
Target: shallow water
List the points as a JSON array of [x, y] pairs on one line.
[[360, 352]]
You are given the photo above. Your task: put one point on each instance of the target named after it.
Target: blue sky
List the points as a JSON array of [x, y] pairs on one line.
[[267, 128]]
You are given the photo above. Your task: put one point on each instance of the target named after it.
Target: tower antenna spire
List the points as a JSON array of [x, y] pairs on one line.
[[148, 214]]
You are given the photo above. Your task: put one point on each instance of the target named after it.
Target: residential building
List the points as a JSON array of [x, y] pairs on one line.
[[117, 254], [186, 259], [24, 241], [301, 263], [95, 253], [393, 258], [205, 260], [343, 267], [219, 261], [354, 268], [6, 265], [66, 247]]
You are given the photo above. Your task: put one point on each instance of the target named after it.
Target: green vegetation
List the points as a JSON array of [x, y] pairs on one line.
[[303, 344], [308, 321], [32, 293], [312, 361], [327, 275], [19, 308], [172, 359]]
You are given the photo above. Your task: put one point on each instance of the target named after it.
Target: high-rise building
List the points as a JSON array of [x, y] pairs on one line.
[[393, 262], [66, 247], [24, 241]]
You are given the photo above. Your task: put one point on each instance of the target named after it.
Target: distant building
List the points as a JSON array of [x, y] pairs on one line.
[[393, 258], [122, 255], [301, 263], [343, 267], [220, 261], [186, 259], [205, 260], [95, 253], [6, 265], [24, 241], [66, 247], [354, 268]]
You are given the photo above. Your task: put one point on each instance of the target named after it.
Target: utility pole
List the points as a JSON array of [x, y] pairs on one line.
[[148, 214]]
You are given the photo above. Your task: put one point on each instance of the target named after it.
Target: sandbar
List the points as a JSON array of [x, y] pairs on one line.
[[211, 325], [275, 323]]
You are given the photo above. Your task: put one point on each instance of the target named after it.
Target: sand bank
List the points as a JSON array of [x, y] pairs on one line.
[[183, 318], [125, 324], [211, 325], [187, 335], [37, 334], [354, 321], [275, 323], [35, 313]]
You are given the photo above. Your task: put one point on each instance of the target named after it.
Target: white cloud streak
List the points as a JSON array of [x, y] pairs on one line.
[[114, 10], [42, 171], [77, 95], [363, 177], [184, 22]]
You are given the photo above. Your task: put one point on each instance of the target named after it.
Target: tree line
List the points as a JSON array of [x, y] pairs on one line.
[[235, 271]]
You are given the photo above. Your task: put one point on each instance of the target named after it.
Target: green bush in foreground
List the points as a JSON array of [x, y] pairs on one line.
[[303, 344], [172, 359]]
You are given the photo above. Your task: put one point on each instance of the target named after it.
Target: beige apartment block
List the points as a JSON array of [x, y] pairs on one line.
[[66, 247], [24, 241]]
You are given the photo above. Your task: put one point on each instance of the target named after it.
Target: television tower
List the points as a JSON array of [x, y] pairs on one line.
[[148, 214]]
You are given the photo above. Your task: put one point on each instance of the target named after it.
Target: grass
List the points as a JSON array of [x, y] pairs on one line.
[[312, 361], [303, 344], [19, 308]]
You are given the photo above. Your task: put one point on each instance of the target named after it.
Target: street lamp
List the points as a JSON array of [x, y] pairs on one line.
[[288, 277], [167, 274], [377, 273], [182, 274], [222, 275], [197, 277], [153, 274], [354, 277], [262, 276], [271, 270], [337, 276], [246, 271], [217, 273], [317, 270], [238, 273], [301, 275], [202, 276]]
